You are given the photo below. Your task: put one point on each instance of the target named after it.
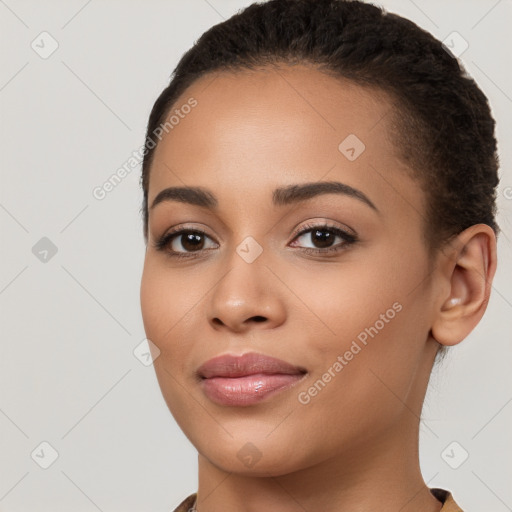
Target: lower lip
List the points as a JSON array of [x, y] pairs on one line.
[[247, 390]]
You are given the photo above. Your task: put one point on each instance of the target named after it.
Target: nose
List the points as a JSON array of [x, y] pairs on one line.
[[247, 297]]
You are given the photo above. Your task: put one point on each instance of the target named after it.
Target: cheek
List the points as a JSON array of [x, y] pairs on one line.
[[171, 301], [371, 384], [167, 300], [153, 296], [342, 301], [372, 316], [163, 314]]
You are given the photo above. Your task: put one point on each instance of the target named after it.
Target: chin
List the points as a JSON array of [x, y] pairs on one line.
[[258, 458]]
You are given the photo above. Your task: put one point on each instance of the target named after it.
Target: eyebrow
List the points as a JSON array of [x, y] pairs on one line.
[[282, 196]]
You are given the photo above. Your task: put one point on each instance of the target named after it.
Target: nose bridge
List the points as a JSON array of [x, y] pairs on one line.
[[245, 293]]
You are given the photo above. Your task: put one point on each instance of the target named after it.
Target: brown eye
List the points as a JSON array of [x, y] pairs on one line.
[[323, 238], [185, 242], [188, 241]]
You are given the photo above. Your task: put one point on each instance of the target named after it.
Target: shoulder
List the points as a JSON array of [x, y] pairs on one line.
[[187, 504], [447, 500]]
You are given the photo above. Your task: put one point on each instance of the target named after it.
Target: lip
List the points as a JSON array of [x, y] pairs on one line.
[[246, 379]]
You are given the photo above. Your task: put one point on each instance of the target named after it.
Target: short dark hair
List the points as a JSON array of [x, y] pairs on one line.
[[441, 121]]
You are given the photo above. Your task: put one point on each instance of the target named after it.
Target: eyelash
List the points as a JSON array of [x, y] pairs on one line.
[[348, 239]]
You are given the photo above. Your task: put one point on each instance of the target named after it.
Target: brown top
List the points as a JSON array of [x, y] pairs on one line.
[[443, 496]]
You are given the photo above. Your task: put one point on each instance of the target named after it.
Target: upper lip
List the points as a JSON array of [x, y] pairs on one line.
[[250, 363]]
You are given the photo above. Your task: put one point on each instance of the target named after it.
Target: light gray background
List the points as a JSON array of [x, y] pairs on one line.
[[68, 374]]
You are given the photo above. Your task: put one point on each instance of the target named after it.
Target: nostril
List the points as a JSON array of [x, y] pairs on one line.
[[259, 318]]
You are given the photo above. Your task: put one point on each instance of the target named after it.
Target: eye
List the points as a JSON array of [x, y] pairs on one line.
[[323, 238], [184, 242]]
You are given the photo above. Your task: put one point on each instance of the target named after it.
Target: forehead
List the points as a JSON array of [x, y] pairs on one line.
[[252, 131]]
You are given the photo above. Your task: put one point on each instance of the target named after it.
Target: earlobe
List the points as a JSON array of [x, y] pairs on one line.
[[468, 270]]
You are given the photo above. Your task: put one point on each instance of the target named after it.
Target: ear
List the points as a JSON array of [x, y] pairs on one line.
[[467, 269]]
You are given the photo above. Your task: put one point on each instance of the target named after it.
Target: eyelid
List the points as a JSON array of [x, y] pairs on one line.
[[185, 227], [324, 223]]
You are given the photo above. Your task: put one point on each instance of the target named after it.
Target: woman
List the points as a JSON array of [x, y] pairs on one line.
[[319, 211]]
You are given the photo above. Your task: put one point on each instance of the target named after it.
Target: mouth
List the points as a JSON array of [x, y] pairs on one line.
[[248, 379]]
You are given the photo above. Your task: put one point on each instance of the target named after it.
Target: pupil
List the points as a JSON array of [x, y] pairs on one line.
[[322, 237], [193, 240]]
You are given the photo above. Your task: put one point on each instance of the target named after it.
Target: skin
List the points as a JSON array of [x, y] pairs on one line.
[[354, 446]]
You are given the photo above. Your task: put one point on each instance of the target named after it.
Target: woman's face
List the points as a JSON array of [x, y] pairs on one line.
[[349, 305]]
